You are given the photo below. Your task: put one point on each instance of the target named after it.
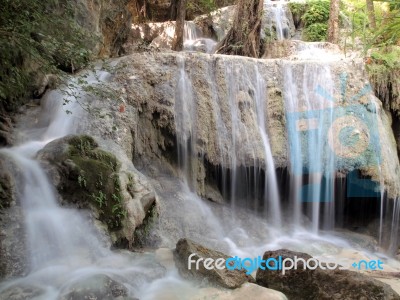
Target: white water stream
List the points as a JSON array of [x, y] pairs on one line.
[[66, 249]]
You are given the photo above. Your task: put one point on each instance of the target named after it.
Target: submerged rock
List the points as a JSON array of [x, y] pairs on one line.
[[321, 283], [224, 277], [22, 292], [95, 287]]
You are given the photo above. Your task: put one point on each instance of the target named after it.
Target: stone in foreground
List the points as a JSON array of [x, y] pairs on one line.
[[225, 278], [321, 284]]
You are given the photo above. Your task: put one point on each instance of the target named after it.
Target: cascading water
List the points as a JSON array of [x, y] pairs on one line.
[[243, 184], [64, 247], [278, 13], [193, 39], [308, 115]]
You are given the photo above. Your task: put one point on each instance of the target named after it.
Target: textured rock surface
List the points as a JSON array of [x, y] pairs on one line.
[[321, 284], [13, 260], [95, 287], [109, 20], [87, 176], [149, 84], [226, 278], [214, 26]]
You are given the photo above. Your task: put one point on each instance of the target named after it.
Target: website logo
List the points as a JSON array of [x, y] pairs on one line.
[[278, 264], [341, 136]]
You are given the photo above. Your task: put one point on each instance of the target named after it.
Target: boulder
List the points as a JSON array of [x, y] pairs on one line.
[[87, 176], [223, 277], [321, 283]]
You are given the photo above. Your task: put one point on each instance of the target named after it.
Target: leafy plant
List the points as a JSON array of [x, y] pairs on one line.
[[313, 16], [316, 32], [298, 9], [317, 12], [100, 198], [37, 37]]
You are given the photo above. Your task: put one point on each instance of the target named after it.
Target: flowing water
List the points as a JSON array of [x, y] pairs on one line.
[[65, 248], [194, 41]]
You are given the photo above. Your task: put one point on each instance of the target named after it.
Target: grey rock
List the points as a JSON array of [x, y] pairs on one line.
[[13, 248], [21, 292], [77, 177], [95, 287], [224, 277], [321, 284]]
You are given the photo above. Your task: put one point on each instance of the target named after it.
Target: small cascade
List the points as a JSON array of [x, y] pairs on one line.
[[194, 41], [185, 122], [277, 20], [63, 246], [245, 90], [308, 115], [278, 16]]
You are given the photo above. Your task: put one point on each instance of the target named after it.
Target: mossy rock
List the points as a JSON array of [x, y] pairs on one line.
[[93, 180]]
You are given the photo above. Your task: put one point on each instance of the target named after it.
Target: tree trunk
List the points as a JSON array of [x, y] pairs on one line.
[[179, 26], [141, 8], [371, 14], [333, 23], [173, 9], [244, 36]]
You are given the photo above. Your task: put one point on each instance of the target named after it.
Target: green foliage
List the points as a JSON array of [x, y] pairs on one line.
[[316, 32], [37, 37], [313, 16], [317, 12], [298, 9]]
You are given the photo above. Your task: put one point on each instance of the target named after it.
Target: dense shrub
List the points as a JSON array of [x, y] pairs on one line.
[[313, 16], [37, 37]]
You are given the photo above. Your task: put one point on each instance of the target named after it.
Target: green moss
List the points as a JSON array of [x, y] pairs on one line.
[[95, 179], [383, 69]]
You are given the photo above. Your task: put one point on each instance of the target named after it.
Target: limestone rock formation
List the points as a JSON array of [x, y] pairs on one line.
[[88, 177], [321, 284], [221, 87]]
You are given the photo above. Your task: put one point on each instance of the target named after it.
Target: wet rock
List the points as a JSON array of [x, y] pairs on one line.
[[13, 260], [224, 277], [87, 176], [95, 287], [321, 284], [150, 83], [22, 292], [6, 138]]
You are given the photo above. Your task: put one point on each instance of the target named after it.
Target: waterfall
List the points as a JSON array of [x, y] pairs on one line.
[[240, 186], [278, 12], [308, 115], [64, 247], [193, 40]]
